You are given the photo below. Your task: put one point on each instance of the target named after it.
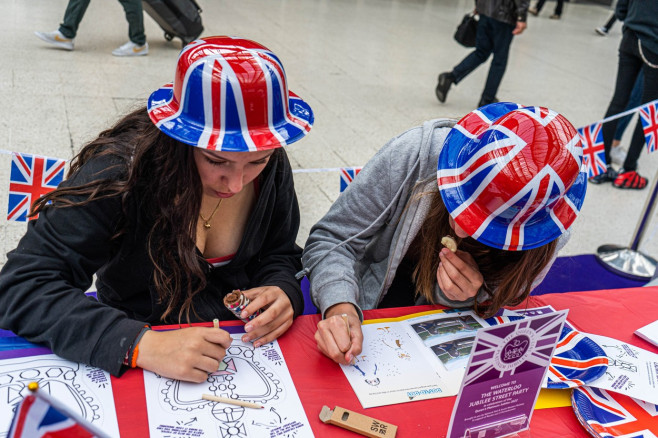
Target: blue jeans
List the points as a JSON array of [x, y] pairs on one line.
[[495, 37], [630, 65]]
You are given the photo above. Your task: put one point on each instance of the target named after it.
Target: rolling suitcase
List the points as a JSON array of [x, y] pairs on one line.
[[178, 18]]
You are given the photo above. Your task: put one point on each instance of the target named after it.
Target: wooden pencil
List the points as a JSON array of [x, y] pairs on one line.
[[231, 401]]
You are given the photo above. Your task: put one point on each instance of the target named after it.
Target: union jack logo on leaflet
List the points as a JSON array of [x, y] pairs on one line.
[[531, 204], [30, 178], [347, 174], [593, 150], [649, 117], [607, 414]]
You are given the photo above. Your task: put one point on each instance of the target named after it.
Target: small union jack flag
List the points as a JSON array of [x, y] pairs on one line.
[[577, 360], [649, 117], [30, 178], [607, 414], [230, 94], [35, 417], [531, 156], [593, 150], [347, 174]]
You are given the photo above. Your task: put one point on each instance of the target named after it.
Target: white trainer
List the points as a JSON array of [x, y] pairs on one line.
[[618, 155], [131, 49], [56, 39]]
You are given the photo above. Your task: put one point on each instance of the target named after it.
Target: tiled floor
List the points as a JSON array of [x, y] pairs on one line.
[[367, 67]]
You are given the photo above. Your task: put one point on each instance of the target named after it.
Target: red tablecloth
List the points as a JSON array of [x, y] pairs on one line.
[[319, 381]]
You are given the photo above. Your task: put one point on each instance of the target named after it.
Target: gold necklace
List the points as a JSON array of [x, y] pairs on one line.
[[206, 222]]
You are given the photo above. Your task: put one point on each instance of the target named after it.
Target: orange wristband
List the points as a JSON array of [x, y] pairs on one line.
[[133, 363]]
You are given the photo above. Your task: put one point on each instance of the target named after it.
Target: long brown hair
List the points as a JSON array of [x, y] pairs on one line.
[[508, 275], [161, 174]]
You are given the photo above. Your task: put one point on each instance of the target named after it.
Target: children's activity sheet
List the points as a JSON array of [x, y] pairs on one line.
[[415, 357], [255, 375], [632, 371], [85, 390]]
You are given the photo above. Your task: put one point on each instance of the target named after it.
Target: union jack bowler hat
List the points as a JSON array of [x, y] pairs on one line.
[[512, 177], [230, 94]]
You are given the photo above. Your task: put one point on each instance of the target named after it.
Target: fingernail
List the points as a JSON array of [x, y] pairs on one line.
[[257, 344], [248, 327], [246, 338], [244, 314]]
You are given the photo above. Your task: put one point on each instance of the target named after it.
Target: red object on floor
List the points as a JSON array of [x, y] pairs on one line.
[[319, 381]]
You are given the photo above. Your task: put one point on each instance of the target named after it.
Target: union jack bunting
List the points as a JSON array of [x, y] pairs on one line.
[[607, 414], [347, 174], [230, 94], [593, 150], [36, 418], [649, 117], [577, 360], [30, 178], [528, 208]]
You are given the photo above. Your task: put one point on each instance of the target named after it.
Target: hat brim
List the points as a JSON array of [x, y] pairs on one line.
[[168, 117], [542, 227]]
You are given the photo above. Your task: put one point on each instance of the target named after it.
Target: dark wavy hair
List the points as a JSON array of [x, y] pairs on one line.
[[508, 275], [160, 173]]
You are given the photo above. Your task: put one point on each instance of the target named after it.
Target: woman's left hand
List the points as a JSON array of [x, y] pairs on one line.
[[458, 275], [275, 318]]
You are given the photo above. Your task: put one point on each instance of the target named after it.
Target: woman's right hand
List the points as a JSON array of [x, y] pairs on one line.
[[188, 354], [333, 337]]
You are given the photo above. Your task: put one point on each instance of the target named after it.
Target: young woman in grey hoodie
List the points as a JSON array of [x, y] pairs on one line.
[[509, 186]]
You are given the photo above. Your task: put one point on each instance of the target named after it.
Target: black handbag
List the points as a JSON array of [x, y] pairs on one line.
[[467, 29]]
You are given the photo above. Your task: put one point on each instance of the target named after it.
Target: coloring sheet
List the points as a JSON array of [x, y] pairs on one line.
[[86, 390], [256, 375], [416, 357], [632, 371]]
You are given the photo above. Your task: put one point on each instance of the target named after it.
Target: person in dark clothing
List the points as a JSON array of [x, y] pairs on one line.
[[167, 228], [557, 13], [638, 52], [499, 21]]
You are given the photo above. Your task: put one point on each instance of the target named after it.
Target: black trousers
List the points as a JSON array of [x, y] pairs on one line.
[[495, 37], [630, 65]]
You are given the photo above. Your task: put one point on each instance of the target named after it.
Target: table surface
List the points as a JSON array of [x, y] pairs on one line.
[[319, 381]]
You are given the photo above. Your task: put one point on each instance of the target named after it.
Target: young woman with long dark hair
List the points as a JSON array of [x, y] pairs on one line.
[[173, 208]]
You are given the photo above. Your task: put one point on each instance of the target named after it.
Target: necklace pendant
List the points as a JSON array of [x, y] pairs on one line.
[[207, 225]]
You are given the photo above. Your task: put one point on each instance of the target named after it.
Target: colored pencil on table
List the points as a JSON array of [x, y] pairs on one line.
[[231, 401]]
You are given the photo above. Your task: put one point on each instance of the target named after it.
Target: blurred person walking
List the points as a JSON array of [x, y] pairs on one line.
[[540, 4], [499, 21], [68, 29]]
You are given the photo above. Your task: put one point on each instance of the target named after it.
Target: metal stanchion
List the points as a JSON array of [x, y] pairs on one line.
[[629, 262]]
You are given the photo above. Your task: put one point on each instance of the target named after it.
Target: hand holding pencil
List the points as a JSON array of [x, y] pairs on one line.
[[187, 354], [339, 335]]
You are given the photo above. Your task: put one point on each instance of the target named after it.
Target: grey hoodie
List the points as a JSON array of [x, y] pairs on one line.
[[353, 252]]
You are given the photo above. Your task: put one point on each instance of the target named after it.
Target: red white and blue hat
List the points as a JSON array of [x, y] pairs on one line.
[[230, 94], [512, 176]]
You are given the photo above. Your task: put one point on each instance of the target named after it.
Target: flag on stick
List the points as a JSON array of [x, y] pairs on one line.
[[40, 416], [347, 174]]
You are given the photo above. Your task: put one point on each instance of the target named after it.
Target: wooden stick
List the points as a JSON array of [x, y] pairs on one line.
[[347, 323], [231, 401], [215, 323]]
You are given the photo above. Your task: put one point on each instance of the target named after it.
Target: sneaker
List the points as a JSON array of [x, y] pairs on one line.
[[131, 49], [608, 176], [533, 11], [554, 17], [56, 39], [618, 155], [445, 81], [629, 179], [601, 31]]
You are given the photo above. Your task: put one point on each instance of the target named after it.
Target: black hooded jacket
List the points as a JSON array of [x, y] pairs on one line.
[[42, 284]]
